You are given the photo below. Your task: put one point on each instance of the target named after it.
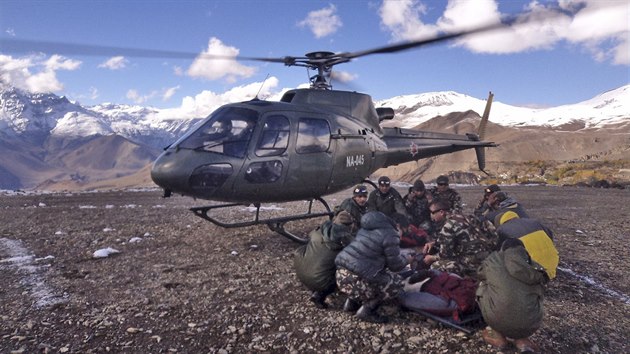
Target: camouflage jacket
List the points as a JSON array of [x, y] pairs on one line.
[[388, 204], [417, 210], [451, 196], [462, 245]]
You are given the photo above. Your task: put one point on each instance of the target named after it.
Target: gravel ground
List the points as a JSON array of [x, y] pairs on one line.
[[181, 284]]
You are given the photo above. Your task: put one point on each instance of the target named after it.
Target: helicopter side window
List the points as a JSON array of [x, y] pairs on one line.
[[274, 138], [264, 172], [227, 131], [313, 136]]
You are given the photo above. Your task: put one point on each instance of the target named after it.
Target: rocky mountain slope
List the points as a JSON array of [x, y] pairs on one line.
[[50, 142]]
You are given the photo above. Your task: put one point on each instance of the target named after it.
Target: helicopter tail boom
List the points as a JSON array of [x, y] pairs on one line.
[[405, 145]]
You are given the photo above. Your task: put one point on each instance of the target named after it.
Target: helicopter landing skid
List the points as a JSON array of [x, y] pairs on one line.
[[275, 224]]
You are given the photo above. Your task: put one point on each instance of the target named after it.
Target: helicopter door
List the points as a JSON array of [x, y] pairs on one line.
[[264, 169], [311, 167]]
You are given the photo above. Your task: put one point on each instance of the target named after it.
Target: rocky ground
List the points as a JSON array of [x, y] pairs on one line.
[[181, 284]]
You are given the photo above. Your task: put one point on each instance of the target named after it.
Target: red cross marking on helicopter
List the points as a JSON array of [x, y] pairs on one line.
[[414, 149]]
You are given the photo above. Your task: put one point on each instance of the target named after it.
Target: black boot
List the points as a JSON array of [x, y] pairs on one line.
[[351, 305], [319, 299], [368, 313]]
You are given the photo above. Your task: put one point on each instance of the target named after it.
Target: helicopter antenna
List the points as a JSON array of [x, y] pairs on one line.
[[261, 86]]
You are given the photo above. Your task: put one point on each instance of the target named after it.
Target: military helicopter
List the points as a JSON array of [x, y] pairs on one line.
[[312, 143]]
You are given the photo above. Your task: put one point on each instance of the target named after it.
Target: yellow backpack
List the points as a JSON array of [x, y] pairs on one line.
[[542, 250]]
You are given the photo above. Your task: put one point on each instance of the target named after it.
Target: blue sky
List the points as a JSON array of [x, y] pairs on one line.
[[564, 61]]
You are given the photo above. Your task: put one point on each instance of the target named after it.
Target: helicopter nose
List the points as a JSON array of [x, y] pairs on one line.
[[189, 173], [166, 174]]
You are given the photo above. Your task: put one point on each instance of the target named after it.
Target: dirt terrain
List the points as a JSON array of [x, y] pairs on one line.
[[181, 284]]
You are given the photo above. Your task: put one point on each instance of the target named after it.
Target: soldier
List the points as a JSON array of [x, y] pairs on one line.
[[417, 206], [366, 269], [500, 202], [386, 199], [483, 206], [512, 279], [460, 246], [444, 192], [315, 262], [355, 205], [535, 237]]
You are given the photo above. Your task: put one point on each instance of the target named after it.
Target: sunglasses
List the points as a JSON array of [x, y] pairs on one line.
[[442, 184], [435, 211], [384, 183]]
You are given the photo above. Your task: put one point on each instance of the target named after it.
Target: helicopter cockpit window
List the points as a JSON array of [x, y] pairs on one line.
[[227, 131], [274, 138], [313, 135]]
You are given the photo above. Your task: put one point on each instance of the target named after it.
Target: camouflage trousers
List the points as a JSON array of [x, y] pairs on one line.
[[358, 289], [463, 266]]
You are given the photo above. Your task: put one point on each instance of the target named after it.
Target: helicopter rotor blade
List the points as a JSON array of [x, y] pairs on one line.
[[12, 45]]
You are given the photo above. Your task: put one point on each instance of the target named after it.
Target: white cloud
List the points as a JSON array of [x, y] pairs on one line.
[[10, 32], [169, 92], [165, 94], [599, 27], [208, 66], [323, 22], [114, 63], [343, 76], [35, 73], [205, 102], [403, 20]]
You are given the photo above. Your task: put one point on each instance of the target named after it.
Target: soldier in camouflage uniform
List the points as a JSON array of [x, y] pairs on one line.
[[356, 206], [462, 245], [443, 192], [417, 206], [386, 199]]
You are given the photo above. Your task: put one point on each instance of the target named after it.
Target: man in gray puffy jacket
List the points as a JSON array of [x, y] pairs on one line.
[[366, 267]]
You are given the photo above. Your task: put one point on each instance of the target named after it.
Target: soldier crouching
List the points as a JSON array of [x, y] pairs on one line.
[[366, 268]]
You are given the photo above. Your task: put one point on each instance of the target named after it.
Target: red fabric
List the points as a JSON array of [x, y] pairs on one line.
[[450, 286], [414, 237]]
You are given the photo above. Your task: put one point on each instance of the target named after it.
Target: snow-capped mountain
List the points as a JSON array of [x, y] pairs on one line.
[[46, 140], [609, 108], [36, 117]]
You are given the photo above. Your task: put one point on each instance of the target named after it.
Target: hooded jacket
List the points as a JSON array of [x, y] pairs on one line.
[[510, 204], [510, 292], [375, 250], [315, 262]]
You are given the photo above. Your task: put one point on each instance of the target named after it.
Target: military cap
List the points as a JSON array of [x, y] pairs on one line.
[[359, 189], [492, 188], [442, 180], [384, 181], [418, 185]]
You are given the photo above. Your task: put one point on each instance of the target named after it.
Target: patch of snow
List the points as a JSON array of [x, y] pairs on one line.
[[104, 252], [30, 278]]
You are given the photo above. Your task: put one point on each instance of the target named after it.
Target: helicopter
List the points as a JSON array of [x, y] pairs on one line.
[[311, 143]]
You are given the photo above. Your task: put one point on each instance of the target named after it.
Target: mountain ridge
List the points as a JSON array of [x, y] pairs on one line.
[[46, 139]]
